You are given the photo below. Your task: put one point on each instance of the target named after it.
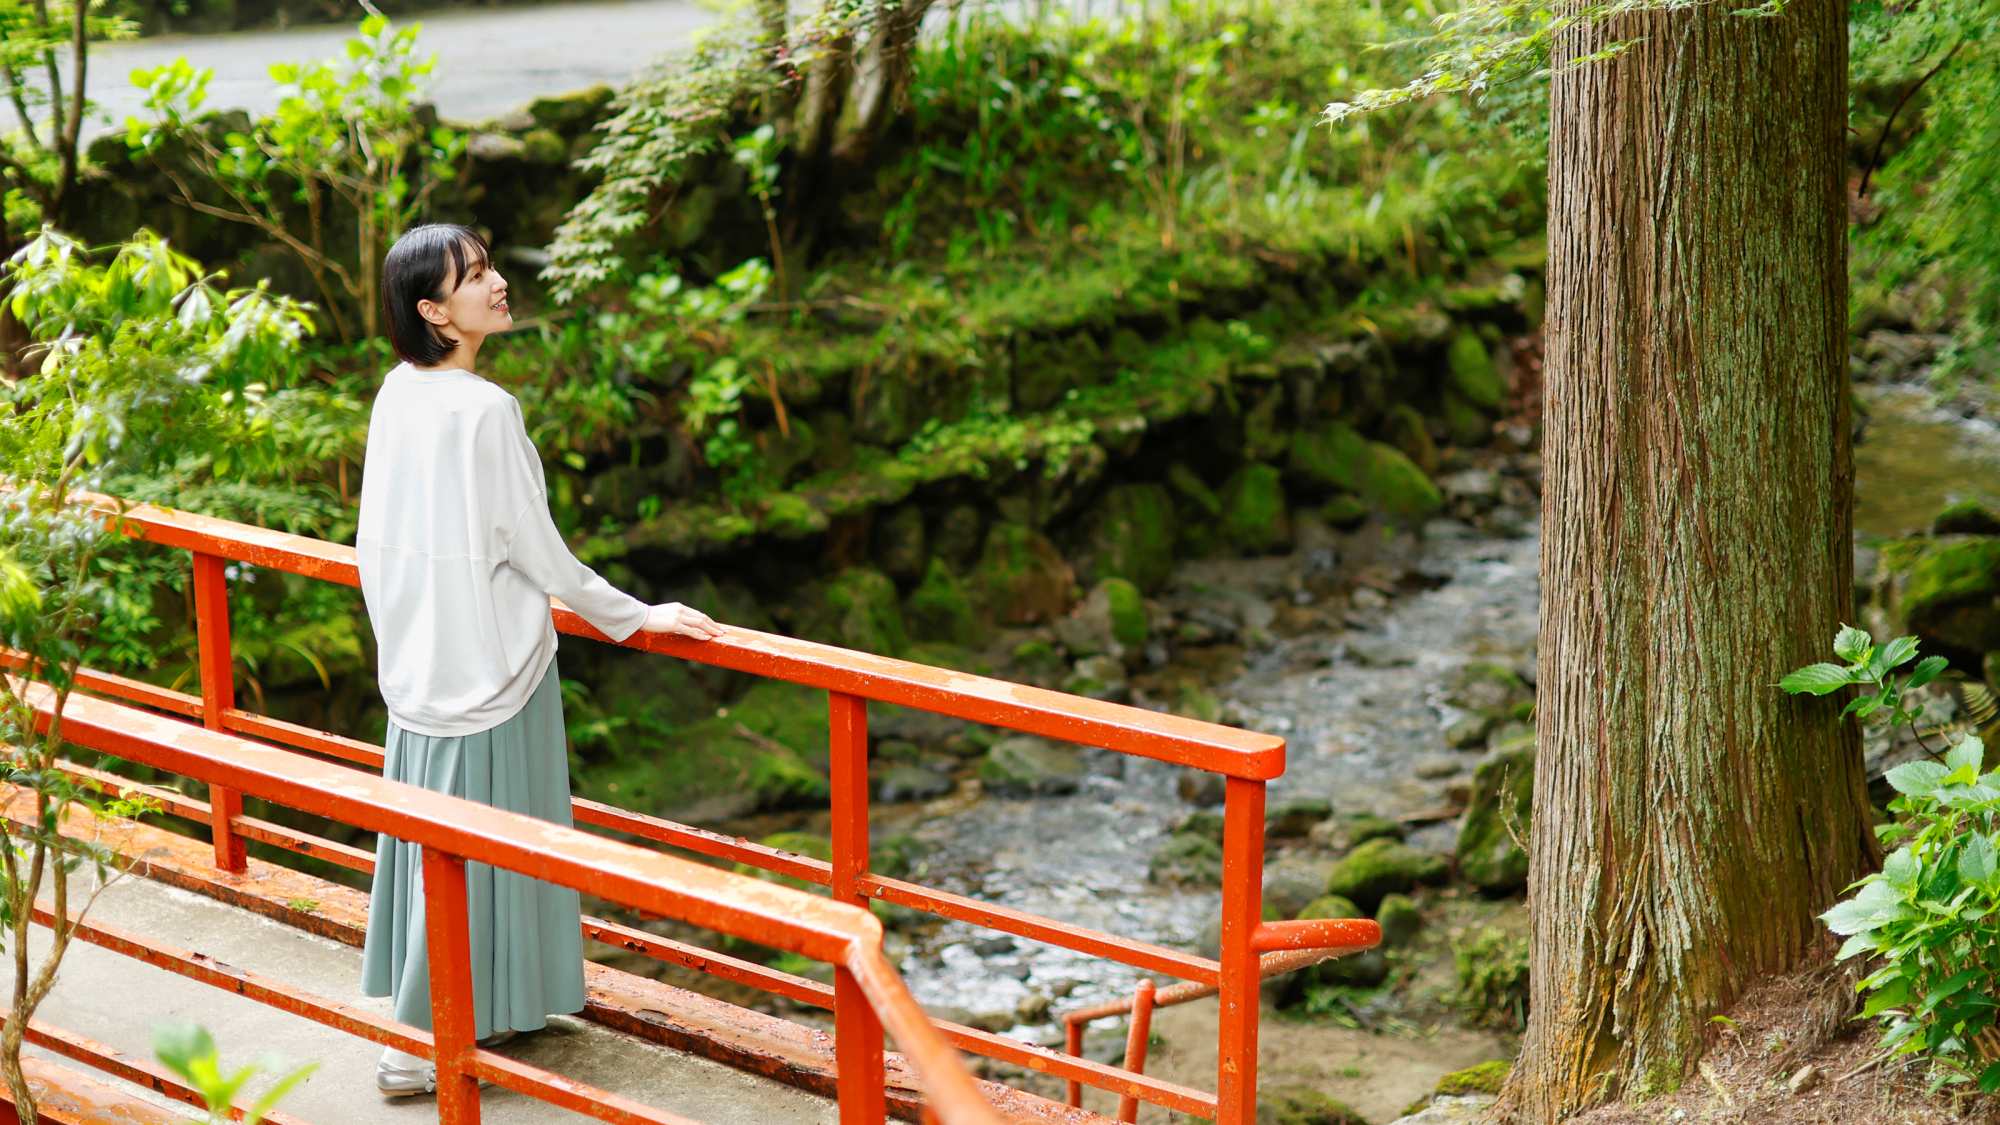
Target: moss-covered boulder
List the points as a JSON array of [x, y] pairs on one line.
[[1187, 859], [1464, 423], [1254, 518], [1021, 577], [1474, 374], [1027, 766], [1293, 880], [1503, 789], [900, 548], [939, 608], [958, 534], [1947, 592], [1400, 920], [761, 752], [1303, 1105], [799, 843], [1344, 511], [1383, 867], [1486, 1078], [1330, 906], [1111, 620], [1337, 458], [1405, 429], [1132, 536], [857, 609], [1966, 517], [1294, 819]]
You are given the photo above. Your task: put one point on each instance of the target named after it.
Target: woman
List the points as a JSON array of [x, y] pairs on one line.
[[458, 558]]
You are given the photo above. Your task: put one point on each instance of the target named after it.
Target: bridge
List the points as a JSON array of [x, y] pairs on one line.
[[269, 953]]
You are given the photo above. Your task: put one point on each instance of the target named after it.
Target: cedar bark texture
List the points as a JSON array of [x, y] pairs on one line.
[[1690, 819]]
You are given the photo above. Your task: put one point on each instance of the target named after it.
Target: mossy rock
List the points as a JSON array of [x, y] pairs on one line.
[[1337, 458], [1949, 595], [1263, 437], [1966, 517], [1021, 577], [1133, 536], [1191, 488], [1254, 518], [572, 112], [1405, 429], [857, 609], [1486, 1078], [1400, 920], [1201, 822], [799, 843], [900, 545], [1503, 794], [1473, 373], [958, 534], [766, 754], [1293, 819], [1344, 511], [939, 608], [1111, 619], [1383, 867], [1187, 859], [1037, 662], [1027, 766], [1330, 906], [1303, 1105], [1464, 424]]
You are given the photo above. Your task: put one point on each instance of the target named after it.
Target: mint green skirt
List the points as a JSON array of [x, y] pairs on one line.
[[527, 948]]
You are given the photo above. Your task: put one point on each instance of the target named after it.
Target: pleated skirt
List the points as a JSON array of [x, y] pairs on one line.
[[527, 949]]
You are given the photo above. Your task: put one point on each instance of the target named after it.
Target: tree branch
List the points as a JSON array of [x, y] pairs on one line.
[[1875, 158]]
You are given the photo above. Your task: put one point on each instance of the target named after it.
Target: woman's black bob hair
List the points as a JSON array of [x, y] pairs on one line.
[[417, 268]]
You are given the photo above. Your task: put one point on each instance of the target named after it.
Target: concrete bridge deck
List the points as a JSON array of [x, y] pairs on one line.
[[117, 1000]]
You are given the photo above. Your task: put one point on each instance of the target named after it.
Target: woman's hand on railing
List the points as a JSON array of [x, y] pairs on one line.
[[685, 621]]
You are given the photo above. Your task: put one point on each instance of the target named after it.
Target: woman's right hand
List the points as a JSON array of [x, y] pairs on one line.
[[673, 617]]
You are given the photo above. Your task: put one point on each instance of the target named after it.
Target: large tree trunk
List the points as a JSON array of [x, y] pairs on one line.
[[1689, 818]]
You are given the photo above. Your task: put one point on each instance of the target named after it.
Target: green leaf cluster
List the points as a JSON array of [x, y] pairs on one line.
[[1869, 666], [189, 1050], [1928, 917]]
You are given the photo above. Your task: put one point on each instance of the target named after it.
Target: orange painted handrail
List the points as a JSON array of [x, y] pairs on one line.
[[1022, 707], [1247, 761], [452, 830]]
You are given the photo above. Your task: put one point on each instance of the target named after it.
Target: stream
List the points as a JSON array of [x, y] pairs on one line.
[[1361, 701]]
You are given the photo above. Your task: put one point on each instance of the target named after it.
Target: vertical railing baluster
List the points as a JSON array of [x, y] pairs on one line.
[[450, 949], [1242, 910], [1135, 1044], [857, 1030], [218, 695]]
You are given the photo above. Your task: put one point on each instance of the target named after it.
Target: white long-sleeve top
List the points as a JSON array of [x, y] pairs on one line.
[[459, 557]]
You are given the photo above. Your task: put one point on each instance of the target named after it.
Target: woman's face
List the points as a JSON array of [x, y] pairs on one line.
[[475, 306]]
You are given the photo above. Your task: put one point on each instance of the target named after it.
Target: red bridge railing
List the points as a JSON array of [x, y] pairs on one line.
[[452, 830], [1247, 760]]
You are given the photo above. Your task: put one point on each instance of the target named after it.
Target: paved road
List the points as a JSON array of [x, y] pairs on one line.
[[489, 61]]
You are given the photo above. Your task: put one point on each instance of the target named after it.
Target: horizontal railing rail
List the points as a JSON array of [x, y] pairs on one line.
[[451, 831], [1246, 760]]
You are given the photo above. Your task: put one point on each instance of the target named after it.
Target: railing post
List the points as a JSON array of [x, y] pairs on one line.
[[1135, 1044], [857, 1030], [450, 952], [1242, 910], [218, 695]]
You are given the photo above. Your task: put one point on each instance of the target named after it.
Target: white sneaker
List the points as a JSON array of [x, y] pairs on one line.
[[402, 1082]]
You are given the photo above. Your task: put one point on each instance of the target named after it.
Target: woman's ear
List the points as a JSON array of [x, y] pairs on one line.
[[432, 311]]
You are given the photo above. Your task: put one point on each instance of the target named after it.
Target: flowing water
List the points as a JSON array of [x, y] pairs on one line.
[[1363, 710]]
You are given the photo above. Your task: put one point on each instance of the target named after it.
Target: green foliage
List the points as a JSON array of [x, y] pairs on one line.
[[346, 143], [1939, 218], [189, 1051], [41, 159], [1868, 666], [1927, 914], [659, 126], [142, 366], [1491, 979]]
